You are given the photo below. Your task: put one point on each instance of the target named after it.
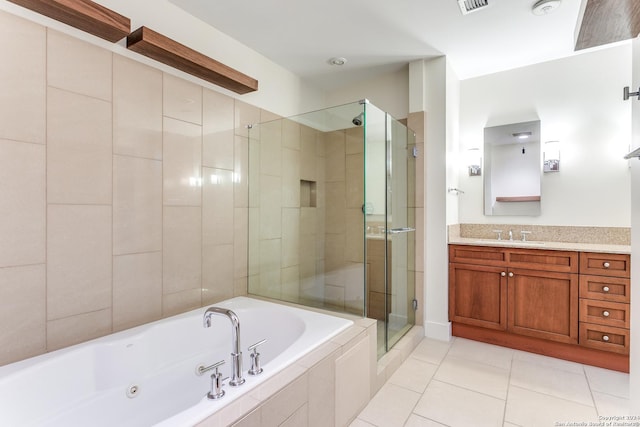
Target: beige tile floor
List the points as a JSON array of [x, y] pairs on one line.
[[472, 384]]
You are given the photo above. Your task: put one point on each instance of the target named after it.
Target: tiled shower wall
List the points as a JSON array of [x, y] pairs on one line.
[[123, 192], [301, 253]]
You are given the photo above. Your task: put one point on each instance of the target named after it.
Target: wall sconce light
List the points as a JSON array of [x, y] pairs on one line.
[[551, 156], [474, 162]]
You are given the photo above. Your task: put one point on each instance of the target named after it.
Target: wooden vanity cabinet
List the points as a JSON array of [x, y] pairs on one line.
[[565, 304], [533, 293]]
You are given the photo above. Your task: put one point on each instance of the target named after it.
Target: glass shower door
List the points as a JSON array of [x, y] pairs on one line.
[[400, 227]]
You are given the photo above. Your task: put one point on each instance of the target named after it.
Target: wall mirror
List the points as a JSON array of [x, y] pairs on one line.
[[512, 169]]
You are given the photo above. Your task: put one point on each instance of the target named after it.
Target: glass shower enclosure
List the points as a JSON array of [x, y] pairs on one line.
[[332, 214]]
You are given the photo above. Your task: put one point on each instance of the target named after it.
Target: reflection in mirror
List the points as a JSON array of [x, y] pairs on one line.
[[512, 169]]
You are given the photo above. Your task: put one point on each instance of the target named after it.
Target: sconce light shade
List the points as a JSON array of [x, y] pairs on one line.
[[474, 162], [551, 156]]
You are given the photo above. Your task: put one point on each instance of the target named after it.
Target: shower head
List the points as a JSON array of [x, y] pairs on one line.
[[357, 120]]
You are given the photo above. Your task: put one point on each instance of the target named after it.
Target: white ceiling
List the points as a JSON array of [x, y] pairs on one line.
[[380, 36]]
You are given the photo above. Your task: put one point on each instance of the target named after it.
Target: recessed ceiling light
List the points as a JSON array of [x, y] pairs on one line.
[[337, 61], [545, 7]]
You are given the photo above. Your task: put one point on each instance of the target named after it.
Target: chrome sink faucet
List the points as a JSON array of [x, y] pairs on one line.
[[511, 235], [236, 354]]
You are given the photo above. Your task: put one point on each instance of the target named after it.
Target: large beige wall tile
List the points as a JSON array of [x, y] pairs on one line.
[[217, 273], [137, 109], [271, 148], [291, 283], [241, 245], [79, 328], [241, 173], [217, 130], [420, 176], [137, 205], [22, 82], [182, 148], [78, 260], [335, 151], [352, 381], [217, 206], [290, 178], [181, 99], [22, 312], [240, 242], [355, 180], [270, 271], [137, 289], [290, 237], [270, 207], [180, 302], [308, 154], [79, 149], [23, 203], [182, 249], [78, 66], [290, 134], [354, 140], [336, 207], [245, 115], [354, 249]]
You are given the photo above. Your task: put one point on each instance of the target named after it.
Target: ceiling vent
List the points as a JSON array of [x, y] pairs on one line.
[[468, 6]]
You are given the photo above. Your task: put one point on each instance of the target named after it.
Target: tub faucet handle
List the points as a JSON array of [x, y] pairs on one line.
[[216, 391], [255, 358]]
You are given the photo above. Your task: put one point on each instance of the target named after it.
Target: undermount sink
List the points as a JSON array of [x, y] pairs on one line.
[[511, 242]]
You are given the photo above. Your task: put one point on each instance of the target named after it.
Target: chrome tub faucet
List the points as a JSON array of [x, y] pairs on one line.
[[236, 354]]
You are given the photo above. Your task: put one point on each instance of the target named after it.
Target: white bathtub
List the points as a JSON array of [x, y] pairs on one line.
[[87, 384]]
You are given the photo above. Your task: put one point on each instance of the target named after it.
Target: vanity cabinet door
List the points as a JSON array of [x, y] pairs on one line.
[[543, 304], [478, 295]]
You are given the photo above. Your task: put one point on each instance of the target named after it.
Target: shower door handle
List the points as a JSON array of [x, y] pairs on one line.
[[401, 230]]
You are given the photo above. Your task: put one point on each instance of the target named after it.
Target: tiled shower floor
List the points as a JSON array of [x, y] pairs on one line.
[[471, 384]]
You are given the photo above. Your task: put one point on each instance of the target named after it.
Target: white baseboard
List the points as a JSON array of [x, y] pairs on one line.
[[437, 330]]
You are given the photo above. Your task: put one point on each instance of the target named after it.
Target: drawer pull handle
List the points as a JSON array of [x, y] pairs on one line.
[[510, 274], [503, 274], [606, 265], [605, 338], [605, 289], [605, 313]]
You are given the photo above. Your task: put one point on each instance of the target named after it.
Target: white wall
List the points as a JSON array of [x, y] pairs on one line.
[[280, 91], [579, 102]]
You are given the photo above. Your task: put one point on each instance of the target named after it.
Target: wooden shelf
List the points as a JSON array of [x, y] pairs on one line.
[[84, 15], [518, 199], [163, 49], [608, 21]]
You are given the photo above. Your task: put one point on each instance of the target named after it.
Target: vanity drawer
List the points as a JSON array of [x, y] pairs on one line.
[[605, 338], [538, 259], [482, 255], [601, 264], [604, 288], [604, 313]]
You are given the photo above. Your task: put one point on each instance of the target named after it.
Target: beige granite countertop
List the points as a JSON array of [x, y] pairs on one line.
[[560, 246]]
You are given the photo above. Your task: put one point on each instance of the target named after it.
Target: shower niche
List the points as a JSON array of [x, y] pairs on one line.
[[327, 189]]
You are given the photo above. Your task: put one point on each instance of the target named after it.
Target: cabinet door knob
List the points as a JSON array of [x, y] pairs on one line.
[[510, 274], [605, 338], [606, 265], [503, 274], [605, 313], [605, 289]]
